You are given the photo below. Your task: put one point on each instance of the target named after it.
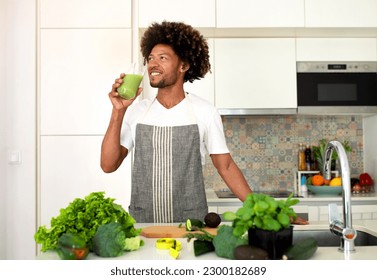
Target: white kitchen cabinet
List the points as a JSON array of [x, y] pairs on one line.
[[70, 168], [77, 69], [255, 73], [340, 13], [254, 13], [336, 49], [85, 13], [197, 13]]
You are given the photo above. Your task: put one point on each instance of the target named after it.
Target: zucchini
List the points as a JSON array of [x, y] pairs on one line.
[[302, 250], [194, 224], [202, 246]]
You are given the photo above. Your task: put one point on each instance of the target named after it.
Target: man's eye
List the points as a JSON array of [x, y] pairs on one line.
[[150, 58]]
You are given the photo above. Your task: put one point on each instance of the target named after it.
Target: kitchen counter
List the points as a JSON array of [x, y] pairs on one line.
[[313, 207], [150, 252], [212, 198]]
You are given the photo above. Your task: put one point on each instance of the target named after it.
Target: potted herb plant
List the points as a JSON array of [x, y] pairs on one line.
[[267, 222], [319, 153]]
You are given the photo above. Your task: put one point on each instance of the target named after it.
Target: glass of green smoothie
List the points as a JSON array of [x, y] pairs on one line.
[[132, 80]]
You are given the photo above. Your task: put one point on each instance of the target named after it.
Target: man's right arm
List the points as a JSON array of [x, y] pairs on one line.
[[112, 152]]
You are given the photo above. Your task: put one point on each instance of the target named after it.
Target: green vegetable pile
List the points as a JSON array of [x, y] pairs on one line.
[[263, 212], [83, 217], [223, 243], [110, 241]]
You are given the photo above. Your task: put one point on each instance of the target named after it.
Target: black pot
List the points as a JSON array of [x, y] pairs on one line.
[[275, 243]]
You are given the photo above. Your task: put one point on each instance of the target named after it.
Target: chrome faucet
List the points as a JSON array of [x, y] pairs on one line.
[[343, 229]]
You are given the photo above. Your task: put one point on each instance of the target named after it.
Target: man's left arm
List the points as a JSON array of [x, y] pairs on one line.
[[231, 174]]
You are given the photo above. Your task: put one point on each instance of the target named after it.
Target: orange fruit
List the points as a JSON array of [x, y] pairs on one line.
[[318, 180]]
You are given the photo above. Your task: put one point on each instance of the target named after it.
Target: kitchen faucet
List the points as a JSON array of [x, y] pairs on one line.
[[343, 229]]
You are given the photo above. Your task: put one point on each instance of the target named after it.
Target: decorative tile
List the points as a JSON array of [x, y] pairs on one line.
[[265, 148]]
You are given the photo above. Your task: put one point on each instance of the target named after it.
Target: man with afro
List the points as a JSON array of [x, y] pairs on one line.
[[170, 133]]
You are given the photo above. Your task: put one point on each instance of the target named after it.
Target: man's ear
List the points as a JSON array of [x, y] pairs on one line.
[[184, 67]]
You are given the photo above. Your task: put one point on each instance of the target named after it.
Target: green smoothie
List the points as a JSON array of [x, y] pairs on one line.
[[128, 88]]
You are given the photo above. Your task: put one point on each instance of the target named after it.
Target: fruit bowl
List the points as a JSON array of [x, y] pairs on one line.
[[325, 190]]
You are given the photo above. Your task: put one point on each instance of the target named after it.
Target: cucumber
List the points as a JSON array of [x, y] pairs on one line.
[[194, 224], [302, 250], [201, 247]]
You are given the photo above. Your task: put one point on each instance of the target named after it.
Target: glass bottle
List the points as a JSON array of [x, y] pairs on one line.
[[301, 158], [308, 157]]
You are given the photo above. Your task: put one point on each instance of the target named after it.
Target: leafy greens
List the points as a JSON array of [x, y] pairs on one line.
[[83, 217]]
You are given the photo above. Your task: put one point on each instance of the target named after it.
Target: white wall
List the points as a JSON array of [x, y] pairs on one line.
[[370, 146], [18, 116], [2, 129]]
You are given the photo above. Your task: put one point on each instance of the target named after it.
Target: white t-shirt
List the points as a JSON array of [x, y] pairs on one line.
[[190, 110]]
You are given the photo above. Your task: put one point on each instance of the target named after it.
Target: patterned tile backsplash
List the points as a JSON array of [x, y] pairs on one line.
[[266, 147]]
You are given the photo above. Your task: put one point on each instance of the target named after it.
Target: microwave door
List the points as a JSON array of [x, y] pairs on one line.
[[337, 89]]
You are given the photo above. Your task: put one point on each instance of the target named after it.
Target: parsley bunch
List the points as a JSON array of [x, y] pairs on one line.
[[83, 217]]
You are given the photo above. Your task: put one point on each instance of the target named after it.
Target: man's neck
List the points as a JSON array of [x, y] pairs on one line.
[[169, 98]]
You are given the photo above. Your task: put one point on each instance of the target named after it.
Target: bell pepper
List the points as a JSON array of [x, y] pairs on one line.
[[72, 247], [365, 179]]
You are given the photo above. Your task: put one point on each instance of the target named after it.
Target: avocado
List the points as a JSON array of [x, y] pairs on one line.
[[250, 252], [212, 220]]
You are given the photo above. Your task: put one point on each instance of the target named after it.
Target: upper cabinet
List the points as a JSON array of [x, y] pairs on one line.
[[197, 13], [85, 14], [255, 73], [256, 13], [336, 49], [340, 13]]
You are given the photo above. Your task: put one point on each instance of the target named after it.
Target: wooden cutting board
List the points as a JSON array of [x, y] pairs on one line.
[[170, 231]]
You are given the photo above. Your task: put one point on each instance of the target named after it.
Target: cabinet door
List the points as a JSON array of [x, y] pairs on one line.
[[336, 49], [197, 13], [78, 67], [255, 73], [70, 168], [340, 13], [254, 13], [85, 13]]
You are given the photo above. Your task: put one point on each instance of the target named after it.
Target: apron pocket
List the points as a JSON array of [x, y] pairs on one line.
[[199, 213]]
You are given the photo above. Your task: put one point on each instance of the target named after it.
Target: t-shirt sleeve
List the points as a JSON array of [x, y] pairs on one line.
[[126, 136], [214, 137]]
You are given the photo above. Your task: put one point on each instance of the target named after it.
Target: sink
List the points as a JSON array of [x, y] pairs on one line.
[[325, 238]]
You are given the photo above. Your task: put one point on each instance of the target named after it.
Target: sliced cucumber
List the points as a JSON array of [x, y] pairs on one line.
[[194, 224]]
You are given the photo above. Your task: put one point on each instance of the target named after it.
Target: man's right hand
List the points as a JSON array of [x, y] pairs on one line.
[[118, 102]]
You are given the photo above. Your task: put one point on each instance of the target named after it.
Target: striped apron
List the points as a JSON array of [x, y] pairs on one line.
[[167, 178]]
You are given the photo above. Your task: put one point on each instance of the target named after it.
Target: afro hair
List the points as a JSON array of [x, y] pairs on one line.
[[187, 42]]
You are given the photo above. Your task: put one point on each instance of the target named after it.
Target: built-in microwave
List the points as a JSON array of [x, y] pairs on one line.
[[337, 87]]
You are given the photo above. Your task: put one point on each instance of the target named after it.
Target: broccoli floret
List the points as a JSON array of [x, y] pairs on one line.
[[110, 241], [133, 243], [225, 242]]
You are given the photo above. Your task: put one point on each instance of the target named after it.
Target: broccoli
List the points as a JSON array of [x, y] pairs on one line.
[[225, 242], [110, 241]]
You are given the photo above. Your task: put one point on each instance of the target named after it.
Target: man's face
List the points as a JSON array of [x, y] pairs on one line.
[[164, 67]]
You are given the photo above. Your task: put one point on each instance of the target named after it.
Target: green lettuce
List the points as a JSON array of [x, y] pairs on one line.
[[83, 217]]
